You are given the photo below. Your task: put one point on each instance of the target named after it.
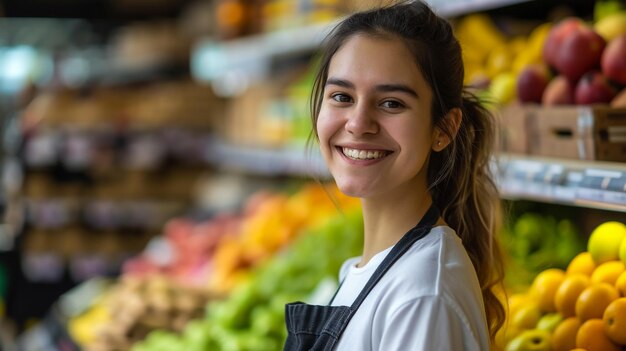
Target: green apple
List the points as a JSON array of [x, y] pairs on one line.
[[549, 321], [530, 340], [604, 242]]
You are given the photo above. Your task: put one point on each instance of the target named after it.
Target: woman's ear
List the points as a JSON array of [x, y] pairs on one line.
[[452, 121]]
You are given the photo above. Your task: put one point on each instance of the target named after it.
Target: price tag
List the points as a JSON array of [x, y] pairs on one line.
[[617, 184], [564, 193], [602, 186], [615, 197], [591, 194]]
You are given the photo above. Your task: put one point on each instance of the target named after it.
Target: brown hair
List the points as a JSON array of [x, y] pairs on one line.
[[459, 176]]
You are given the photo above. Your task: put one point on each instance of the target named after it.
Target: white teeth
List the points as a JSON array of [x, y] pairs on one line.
[[363, 154]]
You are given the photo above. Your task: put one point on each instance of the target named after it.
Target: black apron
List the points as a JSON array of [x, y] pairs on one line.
[[318, 328]]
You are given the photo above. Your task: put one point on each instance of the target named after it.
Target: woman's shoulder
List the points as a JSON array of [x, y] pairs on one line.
[[440, 240], [435, 264]]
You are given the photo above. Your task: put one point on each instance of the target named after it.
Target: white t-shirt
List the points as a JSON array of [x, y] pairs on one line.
[[430, 299]]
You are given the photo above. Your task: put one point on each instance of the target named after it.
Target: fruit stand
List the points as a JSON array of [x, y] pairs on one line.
[[219, 280], [556, 94]]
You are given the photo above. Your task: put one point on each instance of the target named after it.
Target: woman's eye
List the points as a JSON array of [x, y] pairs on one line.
[[341, 98], [392, 104]]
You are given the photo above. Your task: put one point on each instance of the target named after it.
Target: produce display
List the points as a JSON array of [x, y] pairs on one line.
[[221, 284], [196, 264], [582, 306], [588, 64], [564, 63], [535, 242], [252, 318], [493, 60], [138, 306]]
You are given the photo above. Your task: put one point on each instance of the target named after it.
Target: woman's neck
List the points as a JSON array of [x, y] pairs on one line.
[[387, 219]]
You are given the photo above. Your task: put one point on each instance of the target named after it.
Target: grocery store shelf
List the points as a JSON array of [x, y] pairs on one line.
[[96, 66], [589, 184], [235, 64], [239, 62], [295, 161]]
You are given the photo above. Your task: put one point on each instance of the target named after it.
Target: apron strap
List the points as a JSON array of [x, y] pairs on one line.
[[413, 235]]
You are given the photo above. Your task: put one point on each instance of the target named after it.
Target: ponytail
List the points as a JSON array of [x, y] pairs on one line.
[[462, 186]]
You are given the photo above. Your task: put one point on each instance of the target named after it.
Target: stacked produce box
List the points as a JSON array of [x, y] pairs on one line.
[[560, 91]]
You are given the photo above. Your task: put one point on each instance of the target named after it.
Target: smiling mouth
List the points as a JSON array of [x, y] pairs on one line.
[[362, 155]]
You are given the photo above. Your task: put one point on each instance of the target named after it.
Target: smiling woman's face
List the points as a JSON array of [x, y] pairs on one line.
[[374, 124]]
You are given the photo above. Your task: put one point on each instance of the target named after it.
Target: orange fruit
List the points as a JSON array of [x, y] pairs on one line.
[[526, 317], [594, 299], [516, 301], [591, 337], [567, 294], [582, 263], [608, 272], [614, 319], [544, 288], [620, 284], [564, 336]]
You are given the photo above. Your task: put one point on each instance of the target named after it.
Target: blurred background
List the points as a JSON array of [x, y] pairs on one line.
[[157, 192]]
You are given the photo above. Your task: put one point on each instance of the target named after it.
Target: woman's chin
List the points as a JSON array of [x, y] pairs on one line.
[[352, 189]]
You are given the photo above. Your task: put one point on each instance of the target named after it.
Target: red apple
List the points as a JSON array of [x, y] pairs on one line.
[[579, 53], [614, 60], [531, 82], [560, 91], [555, 38], [594, 88]]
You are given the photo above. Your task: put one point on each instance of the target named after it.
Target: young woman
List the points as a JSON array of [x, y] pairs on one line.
[[398, 130]]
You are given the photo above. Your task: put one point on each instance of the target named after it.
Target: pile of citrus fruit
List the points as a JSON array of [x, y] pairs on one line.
[[581, 308]]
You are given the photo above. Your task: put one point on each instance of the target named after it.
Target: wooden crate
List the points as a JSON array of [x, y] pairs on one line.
[[578, 132], [564, 131], [609, 134], [513, 128]]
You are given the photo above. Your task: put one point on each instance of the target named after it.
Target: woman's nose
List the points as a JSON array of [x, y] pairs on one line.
[[361, 121]]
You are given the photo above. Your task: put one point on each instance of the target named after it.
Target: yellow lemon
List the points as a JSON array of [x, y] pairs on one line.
[[605, 240]]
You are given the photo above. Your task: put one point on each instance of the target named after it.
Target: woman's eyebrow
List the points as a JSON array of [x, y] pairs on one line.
[[397, 87], [382, 87], [340, 82]]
